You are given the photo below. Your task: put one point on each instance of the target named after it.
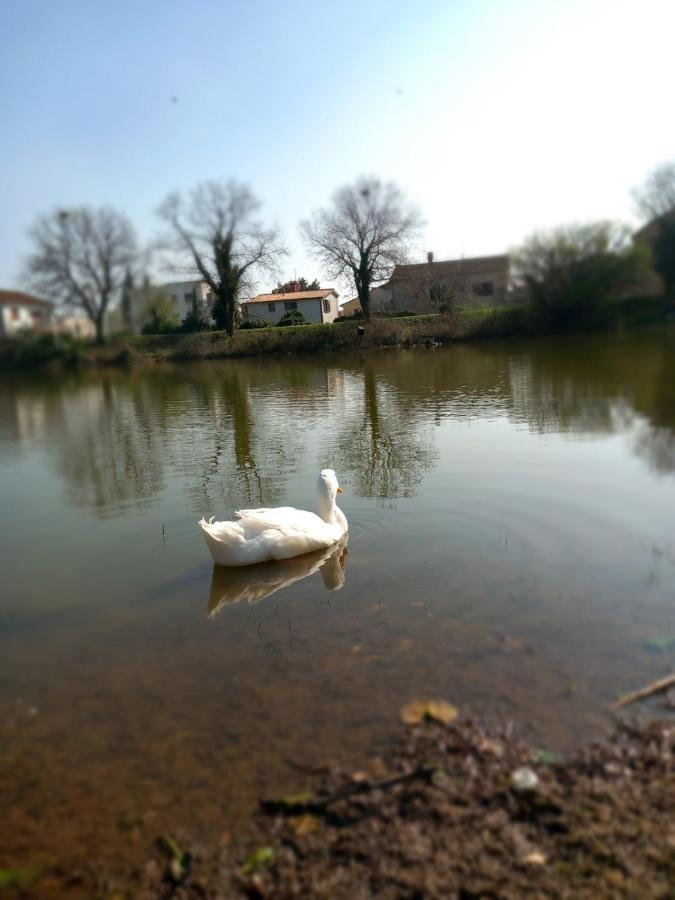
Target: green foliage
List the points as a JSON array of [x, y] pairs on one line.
[[664, 255], [288, 286], [395, 314], [501, 322], [157, 311], [30, 349], [258, 859], [23, 879], [159, 326], [248, 324], [292, 317], [636, 312], [194, 321], [573, 276]]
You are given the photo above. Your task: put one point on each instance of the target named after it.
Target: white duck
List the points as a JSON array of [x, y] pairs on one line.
[[281, 533]]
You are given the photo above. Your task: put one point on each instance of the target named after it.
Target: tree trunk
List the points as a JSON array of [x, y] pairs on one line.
[[229, 320], [364, 298], [98, 324]]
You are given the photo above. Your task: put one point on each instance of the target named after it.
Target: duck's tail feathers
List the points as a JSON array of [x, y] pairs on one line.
[[226, 541]]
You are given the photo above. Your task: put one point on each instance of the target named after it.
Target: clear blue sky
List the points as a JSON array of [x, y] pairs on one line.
[[496, 116]]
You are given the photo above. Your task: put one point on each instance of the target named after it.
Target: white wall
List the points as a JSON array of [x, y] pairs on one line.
[[334, 309], [16, 316], [178, 292], [311, 310], [78, 325]]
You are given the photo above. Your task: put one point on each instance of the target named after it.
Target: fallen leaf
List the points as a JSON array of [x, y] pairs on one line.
[[547, 757], [180, 861], [360, 777], [304, 824], [442, 712], [263, 856], [494, 748], [436, 710], [413, 712], [24, 879], [535, 859]]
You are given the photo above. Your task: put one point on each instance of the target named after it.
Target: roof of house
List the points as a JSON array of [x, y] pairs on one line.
[[18, 298], [292, 295], [472, 265]]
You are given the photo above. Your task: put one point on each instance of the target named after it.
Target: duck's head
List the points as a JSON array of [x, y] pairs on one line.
[[328, 485]]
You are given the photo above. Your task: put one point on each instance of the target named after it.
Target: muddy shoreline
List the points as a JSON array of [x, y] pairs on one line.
[[456, 810]]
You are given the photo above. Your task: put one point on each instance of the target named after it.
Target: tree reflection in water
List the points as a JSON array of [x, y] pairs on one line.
[[385, 447], [230, 434]]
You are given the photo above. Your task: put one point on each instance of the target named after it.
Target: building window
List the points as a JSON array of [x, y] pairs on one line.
[[209, 299], [36, 314], [189, 297], [174, 298], [290, 304], [484, 289], [15, 313], [326, 304], [271, 307]]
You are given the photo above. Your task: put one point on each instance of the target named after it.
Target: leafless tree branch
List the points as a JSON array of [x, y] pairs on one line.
[[81, 258], [365, 233], [215, 233]]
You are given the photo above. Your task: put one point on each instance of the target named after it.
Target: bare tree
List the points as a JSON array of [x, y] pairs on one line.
[[656, 197], [215, 230], [82, 257], [363, 235]]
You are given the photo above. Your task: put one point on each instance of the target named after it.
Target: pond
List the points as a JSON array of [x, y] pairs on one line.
[[511, 549]]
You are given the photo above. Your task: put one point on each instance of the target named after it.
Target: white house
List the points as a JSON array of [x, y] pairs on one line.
[[77, 324], [316, 306], [19, 311], [182, 295]]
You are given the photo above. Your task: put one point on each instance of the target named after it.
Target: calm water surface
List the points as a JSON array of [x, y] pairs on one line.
[[511, 549]]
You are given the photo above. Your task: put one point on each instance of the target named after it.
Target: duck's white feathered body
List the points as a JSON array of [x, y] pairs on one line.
[[280, 533]]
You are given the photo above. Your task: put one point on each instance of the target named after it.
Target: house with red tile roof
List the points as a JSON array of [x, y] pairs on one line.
[[19, 311], [316, 306]]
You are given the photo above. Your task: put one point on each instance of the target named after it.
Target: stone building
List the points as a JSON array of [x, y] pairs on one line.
[[480, 282]]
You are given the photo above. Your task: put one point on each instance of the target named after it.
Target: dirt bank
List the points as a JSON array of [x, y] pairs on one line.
[[453, 811]]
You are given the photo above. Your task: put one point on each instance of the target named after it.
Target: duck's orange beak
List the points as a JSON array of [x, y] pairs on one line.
[[340, 491]]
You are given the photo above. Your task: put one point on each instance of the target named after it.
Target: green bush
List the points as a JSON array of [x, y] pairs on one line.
[[194, 321], [572, 277], [292, 317], [395, 314], [158, 325], [248, 324], [30, 349]]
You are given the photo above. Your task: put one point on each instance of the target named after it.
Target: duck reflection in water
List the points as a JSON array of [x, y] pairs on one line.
[[254, 583]]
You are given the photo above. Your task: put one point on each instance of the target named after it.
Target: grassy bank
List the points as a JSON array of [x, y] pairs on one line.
[[34, 352]]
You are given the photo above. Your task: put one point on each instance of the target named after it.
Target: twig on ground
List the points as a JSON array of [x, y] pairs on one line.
[[288, 806], [656, 687]]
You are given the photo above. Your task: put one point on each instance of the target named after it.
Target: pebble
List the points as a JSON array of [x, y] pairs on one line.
[[524, 779]]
